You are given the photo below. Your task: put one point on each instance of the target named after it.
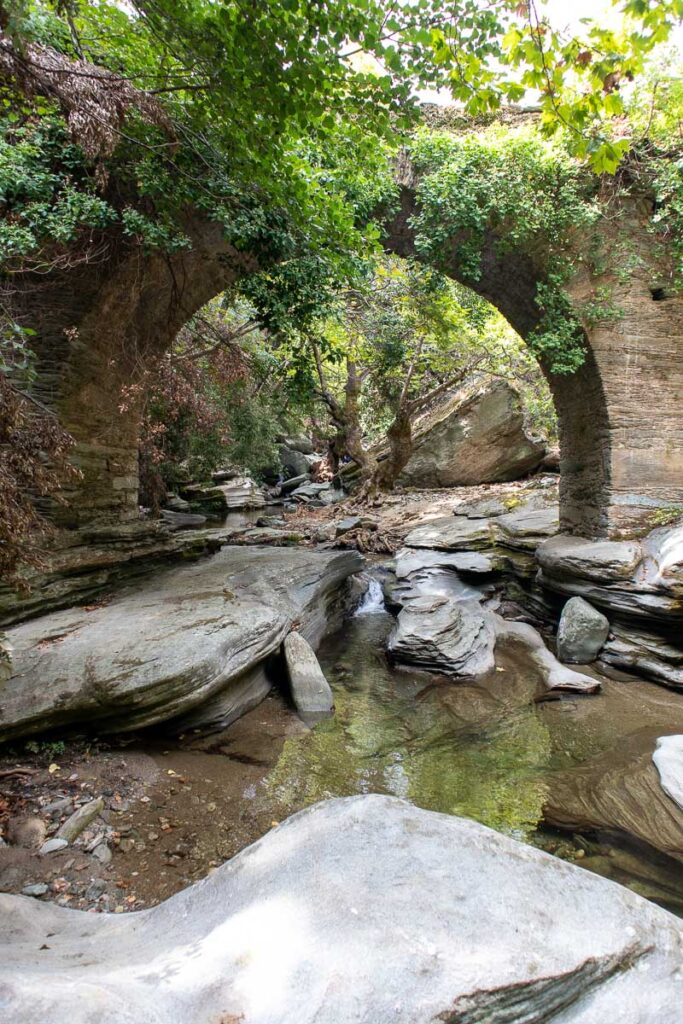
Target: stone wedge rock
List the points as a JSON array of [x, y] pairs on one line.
[[80, 819], [310, 689], [668, 760], [179, 642], [366, 910]]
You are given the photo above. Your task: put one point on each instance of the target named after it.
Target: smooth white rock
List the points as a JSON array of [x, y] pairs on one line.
[[668, 759], [364, 910]]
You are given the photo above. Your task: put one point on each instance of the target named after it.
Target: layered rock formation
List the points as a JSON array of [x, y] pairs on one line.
[[188, 646], [358, 909], [638, 585], [474, 438]]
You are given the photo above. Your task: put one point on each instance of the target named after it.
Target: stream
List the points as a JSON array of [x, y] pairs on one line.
[[488, 749]]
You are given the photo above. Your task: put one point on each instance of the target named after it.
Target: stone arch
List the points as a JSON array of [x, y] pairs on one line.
[[620, 458], [99, 324]]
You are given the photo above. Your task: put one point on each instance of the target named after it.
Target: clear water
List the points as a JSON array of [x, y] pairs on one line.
[[483, 749]]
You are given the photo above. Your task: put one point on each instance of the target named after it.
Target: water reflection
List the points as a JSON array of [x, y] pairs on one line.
[[458, 748]]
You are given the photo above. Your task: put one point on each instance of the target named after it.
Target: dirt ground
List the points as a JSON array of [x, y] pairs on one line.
[[398, 513], [173, 812]]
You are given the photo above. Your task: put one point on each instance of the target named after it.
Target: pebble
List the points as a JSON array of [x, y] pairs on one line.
[[36, 889], [57, 806], [103, 853], [95, 889], [53, 846]]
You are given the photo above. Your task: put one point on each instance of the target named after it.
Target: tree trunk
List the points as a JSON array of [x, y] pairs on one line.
[[366, 462], [400, 438]]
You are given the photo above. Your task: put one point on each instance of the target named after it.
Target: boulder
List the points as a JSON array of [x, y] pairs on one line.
[[360, 909], [186, 644], [472, 439], [317, 495], [581, 633], [310, 689], [441, 634], [294, 463], [287, 486], [299, 444], [668, 760]]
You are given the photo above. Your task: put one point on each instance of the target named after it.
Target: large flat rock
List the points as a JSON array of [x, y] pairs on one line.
[[451, 534], [186, 643], [597, 560], [364, 910]]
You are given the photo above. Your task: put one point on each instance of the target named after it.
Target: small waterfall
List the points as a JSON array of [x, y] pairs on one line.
[[373, 601]]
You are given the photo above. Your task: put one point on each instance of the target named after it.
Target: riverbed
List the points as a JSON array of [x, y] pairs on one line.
[[488, 749]]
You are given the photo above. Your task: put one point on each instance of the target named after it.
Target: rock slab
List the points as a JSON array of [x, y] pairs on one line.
[[581, 633], [184, 645], [366, 910]]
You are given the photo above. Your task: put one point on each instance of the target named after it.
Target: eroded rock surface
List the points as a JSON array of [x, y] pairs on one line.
[[362, 909], [637, 585], [619, 792], [187, 644], [441, 634]]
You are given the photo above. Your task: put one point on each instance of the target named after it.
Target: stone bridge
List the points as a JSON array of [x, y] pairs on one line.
[[101, 325]]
